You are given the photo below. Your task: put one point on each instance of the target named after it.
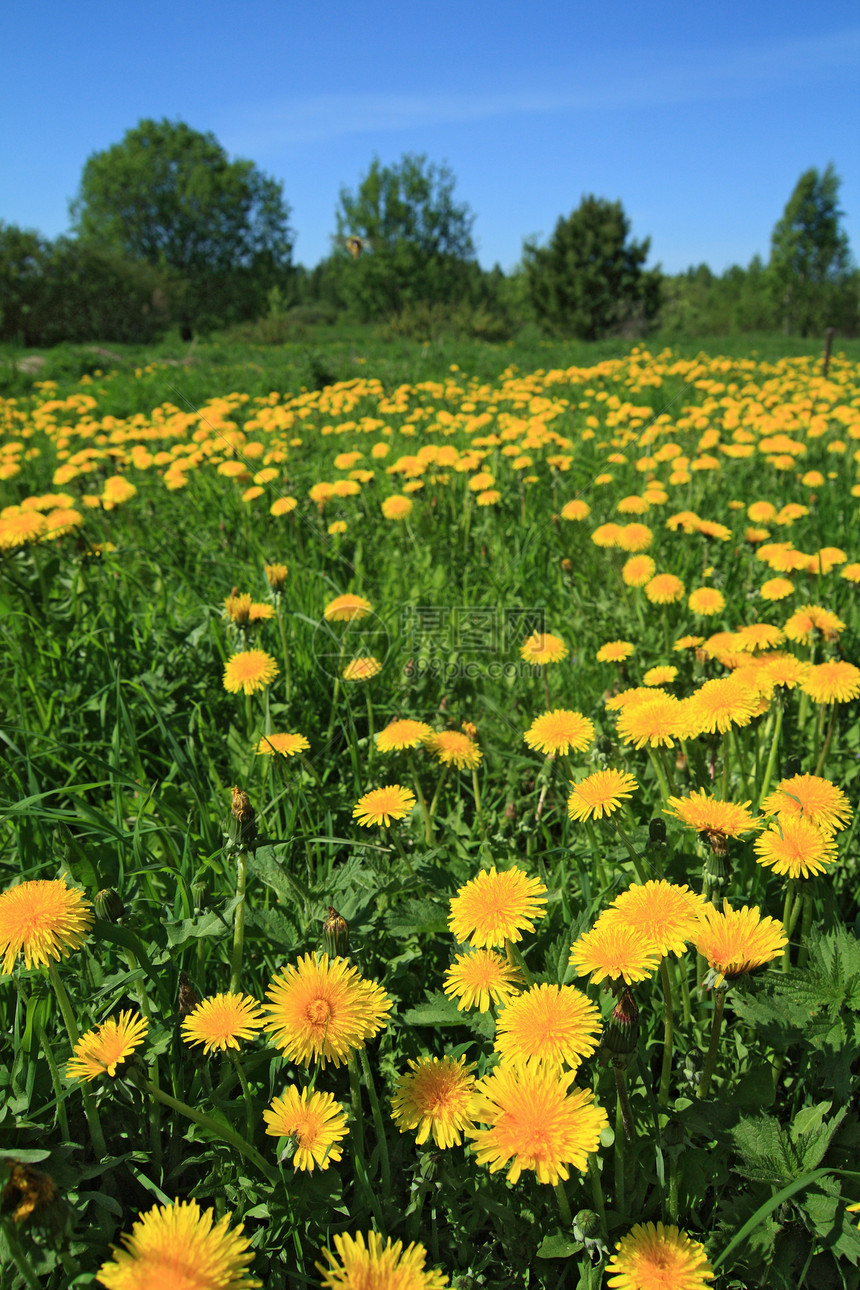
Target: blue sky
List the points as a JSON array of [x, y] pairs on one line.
[[700, 119]]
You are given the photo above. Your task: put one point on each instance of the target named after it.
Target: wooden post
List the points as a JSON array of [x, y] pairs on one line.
[[828, 341]]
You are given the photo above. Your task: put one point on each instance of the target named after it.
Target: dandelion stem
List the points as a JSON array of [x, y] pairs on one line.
[[620, 1144], [436, 795], [806, 922], [516, 960], [475, 790], [668, 1033], [419, 793], [659, 773], [216, 1127], [828, 740], [246, 1093], [285, 653], [45, 1046], [377, 1120], [740, 760], [90, 1109], [154, 1117], [787, 907], [711, 1059], [631, 851], [597, 1190], [371, 746], [773, 754], [359, 1161], [238, 920], [563, 1205], [19, 1258]]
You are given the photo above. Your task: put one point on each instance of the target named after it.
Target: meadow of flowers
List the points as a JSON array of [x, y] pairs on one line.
[[429, 848]]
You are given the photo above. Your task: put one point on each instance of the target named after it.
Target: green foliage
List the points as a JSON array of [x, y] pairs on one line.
[[416, 240], [810, 259], [589, 280], [167, 195]]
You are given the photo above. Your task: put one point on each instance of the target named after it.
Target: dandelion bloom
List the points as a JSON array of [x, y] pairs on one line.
[[556, 1024], [614, 951], [615, 651], [543, 647], [454, 748], [834, 682], [378, 1265], [638, 570], [434, 1097], [706, 601], [795, 848], [362, 669], [221, 1021], [635, 537], [397, 507], [347, 609], [575, 510], [600, 794], [818, 800], [315, 1121], [382, 805], [323, 1010], [249, 671], [664, 913], [482, 977], [44, 920], [758, 636], [784, 669], [706, 814], [285, 744], [535, 1122], [776, 589], [238, 608], [177, 1245], [738, 940], [100, 1051], [654, 1257], [607, 535], [276, 575], [656, 721], [664, 589], [688, 642], [722, 703], [558, 731], [496, 907], [663, 674], [404, 733]]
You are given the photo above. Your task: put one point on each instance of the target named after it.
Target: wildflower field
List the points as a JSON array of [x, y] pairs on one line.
[[429, 841]]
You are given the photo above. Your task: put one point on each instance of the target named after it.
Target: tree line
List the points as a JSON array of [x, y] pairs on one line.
[[167, 232]]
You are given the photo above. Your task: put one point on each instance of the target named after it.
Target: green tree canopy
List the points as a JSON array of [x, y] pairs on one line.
[[168, 195], [589, 279], [810, 258], [414, 241]]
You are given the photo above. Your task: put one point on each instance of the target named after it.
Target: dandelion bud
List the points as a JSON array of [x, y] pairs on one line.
[[657, 832], [567, 565], [242, 828], [587, 1228], [276, 575], [202, 894], [621, 1033], [188, 996], [109, 906], [335, 935]]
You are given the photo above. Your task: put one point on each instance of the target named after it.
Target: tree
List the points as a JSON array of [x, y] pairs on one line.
[[810, 259], [589, 280], [169, 196], [411, 242]]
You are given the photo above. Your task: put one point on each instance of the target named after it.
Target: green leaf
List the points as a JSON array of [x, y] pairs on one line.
[[558, 1246]]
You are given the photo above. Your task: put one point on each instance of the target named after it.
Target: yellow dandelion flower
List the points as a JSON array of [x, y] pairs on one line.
[[315, 1122], [722, 703], [534, 1122], [575, 510], [635, 537], [221, 1021], [375, 1264], [403, 733], [555, 1024], [757, 636], [559, 731], [435, 1097], [177, 1246], [543, 647], [382, 805], [638, 570], [614, 951], [44, 920], [664, 589], [664, 913], [323, 1010], [817, 800], [347, 609], [737, 940], [397, 507], [661, 675], [286, 745], [276, 575], [706, 814], [776, 589], [100, 1051], [795, 848], [496, 907], [657, 720], [362, 669], [655, 1257], [615, 651], [706, 601], [454, 748], [480, 978], [688, 642], [600, 794], [249, 671], [834, 682]]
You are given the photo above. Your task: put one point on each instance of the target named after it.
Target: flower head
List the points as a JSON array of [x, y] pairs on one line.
[[706, 601], [795, 847], [397, 507], [454, 748], [382, 805], [543, 647], [664, 589], [613, 950], [558, 731], [249, 671], [362, 669], [600, 794], [653, 1257], [323, 1010], [285, 745], [658, 720], [100, 1051], [737, 940], [177, 1247], [276, 575], [315, 1121], [706, 814], [615, 651], [221, 1021], [638, 570], [555, 1024], [435, 1097], [375, 1264], [834, 682], [480, 977], [347, 609], [720, 704], [496, 907], [534, 1122], [404, 733], [817, 800], [664, 913], [44, 920]]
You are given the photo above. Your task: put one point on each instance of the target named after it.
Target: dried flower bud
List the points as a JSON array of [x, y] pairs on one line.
[[243, 823], [276, 575], [188, 996], [621, 1032], [335, 935]]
